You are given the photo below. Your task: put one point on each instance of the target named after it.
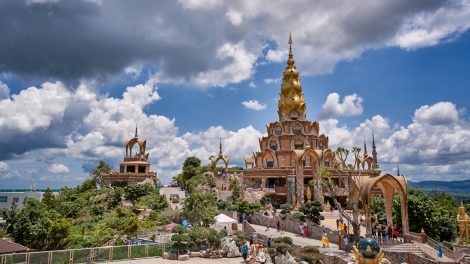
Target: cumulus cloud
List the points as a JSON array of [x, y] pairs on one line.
[[434, 144], [4, 166], [4, 91], [254, 105], [58, 168], [350, 106], [272, 81], [180, 41]]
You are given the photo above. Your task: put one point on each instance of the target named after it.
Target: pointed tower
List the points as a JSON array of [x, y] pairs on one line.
[[365, 150], [398, 170], [375, 163], [220, 147], [135, 131], [291, 104]]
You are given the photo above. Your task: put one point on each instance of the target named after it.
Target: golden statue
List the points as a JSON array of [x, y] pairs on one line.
[[368, 252], [309, 193], [291, 103], [464, 225]]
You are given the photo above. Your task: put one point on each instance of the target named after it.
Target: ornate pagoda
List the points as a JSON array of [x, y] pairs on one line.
[[134, 169]]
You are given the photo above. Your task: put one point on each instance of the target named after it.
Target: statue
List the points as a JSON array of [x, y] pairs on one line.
[[368, 252], [464, 226]]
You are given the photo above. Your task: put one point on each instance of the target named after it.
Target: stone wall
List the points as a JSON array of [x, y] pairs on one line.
[[292, 225], [400, 257]]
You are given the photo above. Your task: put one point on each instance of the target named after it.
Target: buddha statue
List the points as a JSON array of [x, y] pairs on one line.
[[368, 252], [464, 225]]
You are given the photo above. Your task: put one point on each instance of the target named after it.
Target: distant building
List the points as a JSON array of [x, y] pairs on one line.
[[17, 197], [134, 169]]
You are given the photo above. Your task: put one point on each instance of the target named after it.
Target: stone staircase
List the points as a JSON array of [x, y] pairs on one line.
[[405, 248]]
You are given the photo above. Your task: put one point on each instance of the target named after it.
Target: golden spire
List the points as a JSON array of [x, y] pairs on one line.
[[135, 131], [291, 103]]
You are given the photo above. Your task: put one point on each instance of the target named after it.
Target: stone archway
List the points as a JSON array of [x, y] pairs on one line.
[[389, 185], [215, 160]]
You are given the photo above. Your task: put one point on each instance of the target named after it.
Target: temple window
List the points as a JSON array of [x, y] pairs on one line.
[[327, 163], [131, 169], [298, 144], [273, 145], [141, 169], [297, 130], [269, 162], [121, 169]]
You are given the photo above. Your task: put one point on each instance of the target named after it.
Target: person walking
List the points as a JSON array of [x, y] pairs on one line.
[[346, 244], [245, 251], [301, 229], [270, 241], [278, 224], [324, 239], [337, 223], [305, 229], [282, 229]]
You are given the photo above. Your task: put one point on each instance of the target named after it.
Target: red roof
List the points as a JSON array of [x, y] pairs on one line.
[[7, 246]]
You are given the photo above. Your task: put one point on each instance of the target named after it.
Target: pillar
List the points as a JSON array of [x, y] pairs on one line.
[[388, 201], [290, 189], [263, 182]]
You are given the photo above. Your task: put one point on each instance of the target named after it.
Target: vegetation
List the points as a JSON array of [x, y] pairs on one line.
[[235, 187], [84, 216], [312, 211], [201, 208]]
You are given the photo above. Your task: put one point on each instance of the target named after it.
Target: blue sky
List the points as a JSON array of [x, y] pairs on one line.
[[72, 89]]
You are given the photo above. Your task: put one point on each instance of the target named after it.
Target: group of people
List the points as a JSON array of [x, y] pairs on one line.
[[252, 255], [385, 234], [303, 228], [280, 227]]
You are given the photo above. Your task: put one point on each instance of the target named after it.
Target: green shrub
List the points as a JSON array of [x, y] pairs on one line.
[[179, 230], [299, 216], [265, 200], [281, 247], [180, 243], [310, 249], [285, 239]]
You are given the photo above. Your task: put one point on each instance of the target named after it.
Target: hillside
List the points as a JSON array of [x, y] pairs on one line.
[[458, 189]]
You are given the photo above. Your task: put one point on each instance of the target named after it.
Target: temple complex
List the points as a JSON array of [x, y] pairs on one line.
[[294, 152], [134, 169]]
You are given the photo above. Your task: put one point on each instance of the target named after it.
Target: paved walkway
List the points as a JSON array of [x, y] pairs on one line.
[[333, 250], [330, 221], [190, 261]]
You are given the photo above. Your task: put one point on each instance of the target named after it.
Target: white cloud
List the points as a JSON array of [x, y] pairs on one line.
[[4, 166], [4, 91], [442, 113], [239, 67], [58, 168], [200, 4], [350, 106], [276, 55], [235, 17], [252, 84], [254, 105], [272, 81], [434, 145], [134, 70], [34, 108]]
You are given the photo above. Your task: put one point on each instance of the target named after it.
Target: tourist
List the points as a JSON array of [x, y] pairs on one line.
[[305, 229], [384, 235], [389, 232], [324, 239], [245, 251], [337, 223], [251, 240], [282, 229], [278, 224], [345, 226], [267, 229], [270, 241], [346, 244], [301, 228], [374, 232]]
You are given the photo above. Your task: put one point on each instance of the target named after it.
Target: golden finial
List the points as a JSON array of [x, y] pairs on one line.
[[291, 104]]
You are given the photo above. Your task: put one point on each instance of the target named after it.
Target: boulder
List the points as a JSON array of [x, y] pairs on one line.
[[285, 259], [170, 256], [229, 248], [196, 254], [183, 257]]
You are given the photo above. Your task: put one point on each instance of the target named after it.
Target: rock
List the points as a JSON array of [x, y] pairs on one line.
[[230, 248], [285, 259], [303, 262], [385, 261], [168, 255], [196, 254], [183, 257], [268, 259]]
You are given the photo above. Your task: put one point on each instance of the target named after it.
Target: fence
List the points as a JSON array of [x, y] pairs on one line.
[[86, 255]]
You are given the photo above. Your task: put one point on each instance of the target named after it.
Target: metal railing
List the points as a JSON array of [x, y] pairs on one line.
[[432, 243], [86, 255]]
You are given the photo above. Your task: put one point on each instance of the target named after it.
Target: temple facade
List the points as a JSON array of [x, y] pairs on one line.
[[293, 153], [135, 168]]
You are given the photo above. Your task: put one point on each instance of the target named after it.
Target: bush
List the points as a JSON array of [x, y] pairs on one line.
[[286, 240], [310, 249], [135, 191], [265, 200], [198, 236], [214, 239], [281, 247], [180, 243], [240, 239], [299, 216], [179, 230]]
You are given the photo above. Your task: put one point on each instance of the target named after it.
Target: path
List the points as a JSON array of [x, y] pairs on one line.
[[333, 250], [190, 261], [167, 191], [330, 221]]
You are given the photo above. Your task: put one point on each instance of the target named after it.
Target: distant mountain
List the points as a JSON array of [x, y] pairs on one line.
[[458, 189]]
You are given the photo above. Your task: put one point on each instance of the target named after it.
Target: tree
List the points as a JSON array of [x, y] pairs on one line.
[[199, 236], [247, 208], [131, 226], [154, 201], [135, 191], [102, 168], [312, 211], [201, 208], [265, 200], [235, 186], [48, 199], [180, 243], [59, 232]]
